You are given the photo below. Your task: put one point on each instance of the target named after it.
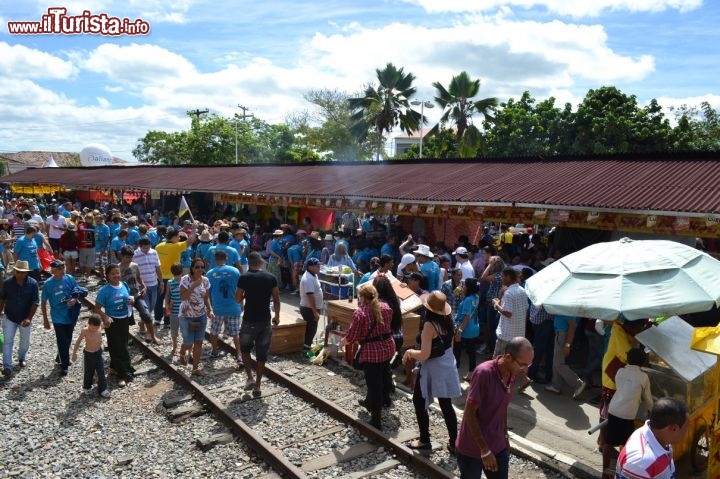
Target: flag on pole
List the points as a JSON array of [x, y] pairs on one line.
[[184, 208]]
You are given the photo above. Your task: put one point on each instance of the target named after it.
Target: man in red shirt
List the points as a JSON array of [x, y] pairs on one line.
[[482, 445]]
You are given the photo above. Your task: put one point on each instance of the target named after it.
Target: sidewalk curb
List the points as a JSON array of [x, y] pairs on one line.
[[543, 456], [558, 462]]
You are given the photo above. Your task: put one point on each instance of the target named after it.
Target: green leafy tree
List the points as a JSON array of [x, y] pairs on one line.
[[442, 144], [697, 129], [608, 121], [326, 128], [459, 105], [524, 127], [213, 140], [385, 107]]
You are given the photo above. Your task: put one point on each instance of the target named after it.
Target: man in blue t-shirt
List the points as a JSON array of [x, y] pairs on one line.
[[58, 291], [224, 298], [428, 266], [232, 256], [26, 249], [242, 246], [102, 244]]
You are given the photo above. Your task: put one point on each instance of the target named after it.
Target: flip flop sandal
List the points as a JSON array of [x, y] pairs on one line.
[[416, 444]]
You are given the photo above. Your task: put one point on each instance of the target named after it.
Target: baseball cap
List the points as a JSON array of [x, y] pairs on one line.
[[461, 251], [312, 262]]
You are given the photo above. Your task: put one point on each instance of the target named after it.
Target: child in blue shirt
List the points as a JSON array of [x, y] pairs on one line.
[[467, 326]]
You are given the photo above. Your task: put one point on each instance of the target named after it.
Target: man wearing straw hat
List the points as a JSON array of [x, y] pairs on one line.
[[19, 299], [428, 267]]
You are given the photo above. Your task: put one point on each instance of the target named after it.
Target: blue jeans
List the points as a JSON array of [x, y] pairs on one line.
[[151, 297], [472, 467], [143, 309], [63, 337], [9, 330]]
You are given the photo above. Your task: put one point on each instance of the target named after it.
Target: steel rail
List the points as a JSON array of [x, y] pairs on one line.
[[270, 454], [419, 462]]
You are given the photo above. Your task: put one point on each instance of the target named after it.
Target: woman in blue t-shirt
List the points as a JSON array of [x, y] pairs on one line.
[[114, 305], [467, 326]]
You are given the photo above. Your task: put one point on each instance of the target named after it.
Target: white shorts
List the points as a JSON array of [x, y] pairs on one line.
[[70, 254]]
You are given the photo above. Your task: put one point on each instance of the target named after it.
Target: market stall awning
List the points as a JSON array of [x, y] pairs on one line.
[[653, 185]]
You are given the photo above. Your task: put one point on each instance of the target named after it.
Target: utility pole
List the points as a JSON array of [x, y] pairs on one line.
[[196, 113], [243, 117]]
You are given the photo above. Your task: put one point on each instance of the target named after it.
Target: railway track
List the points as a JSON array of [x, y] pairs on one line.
[[265, 424]]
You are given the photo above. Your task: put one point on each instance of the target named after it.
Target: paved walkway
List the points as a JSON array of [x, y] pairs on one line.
[[546, 427]]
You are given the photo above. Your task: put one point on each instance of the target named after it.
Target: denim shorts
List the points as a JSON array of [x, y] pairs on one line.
[[258, 335], [190, 337]]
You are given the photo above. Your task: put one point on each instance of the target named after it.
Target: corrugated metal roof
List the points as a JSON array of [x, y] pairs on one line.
[[689, 185]]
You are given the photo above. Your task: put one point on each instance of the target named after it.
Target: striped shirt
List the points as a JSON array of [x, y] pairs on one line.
[[644, 458], [174, 287], [148, 263]]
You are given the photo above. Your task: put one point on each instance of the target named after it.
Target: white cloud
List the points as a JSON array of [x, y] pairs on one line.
[[523, 54], [160, 83], [668, 103], [162, 11], [54, 122], [135, 65], [573, 8], [19, 61]]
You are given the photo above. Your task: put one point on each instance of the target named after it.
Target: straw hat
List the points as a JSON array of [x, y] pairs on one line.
[[21, 265], [205, 236], [436, 302]]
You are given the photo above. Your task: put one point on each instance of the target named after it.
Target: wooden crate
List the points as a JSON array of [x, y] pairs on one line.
[[288, 336], [341, 312]]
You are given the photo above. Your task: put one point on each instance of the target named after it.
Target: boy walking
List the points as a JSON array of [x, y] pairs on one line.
[[92, 334]]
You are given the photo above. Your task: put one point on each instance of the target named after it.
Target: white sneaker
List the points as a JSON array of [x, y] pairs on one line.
[[87, 391], [552, 389], [249, 384], [105, 393]]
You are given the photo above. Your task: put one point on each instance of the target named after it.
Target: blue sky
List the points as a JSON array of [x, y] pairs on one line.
[[61, 92]]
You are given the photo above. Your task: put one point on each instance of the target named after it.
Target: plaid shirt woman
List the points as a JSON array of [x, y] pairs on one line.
[[371, 328]]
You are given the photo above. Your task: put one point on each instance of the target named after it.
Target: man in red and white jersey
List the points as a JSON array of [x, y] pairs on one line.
[[648, 452]]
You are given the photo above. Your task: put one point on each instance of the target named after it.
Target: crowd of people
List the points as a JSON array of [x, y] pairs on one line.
[[227, 273]]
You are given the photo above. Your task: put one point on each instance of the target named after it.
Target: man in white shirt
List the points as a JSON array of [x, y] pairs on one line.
[[648, 452], [55, 225], [463, 262], [512, 309], [311, 299]]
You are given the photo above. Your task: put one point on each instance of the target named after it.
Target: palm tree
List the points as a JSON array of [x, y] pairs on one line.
[[383, 108], [459, 107]]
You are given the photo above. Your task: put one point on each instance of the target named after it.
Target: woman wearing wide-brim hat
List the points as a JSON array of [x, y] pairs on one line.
[[436, 370]]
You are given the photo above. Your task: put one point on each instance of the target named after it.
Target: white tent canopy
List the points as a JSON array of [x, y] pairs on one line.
[[51, 163]]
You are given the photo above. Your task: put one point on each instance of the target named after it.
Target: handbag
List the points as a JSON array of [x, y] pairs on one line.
[[356, 363]]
